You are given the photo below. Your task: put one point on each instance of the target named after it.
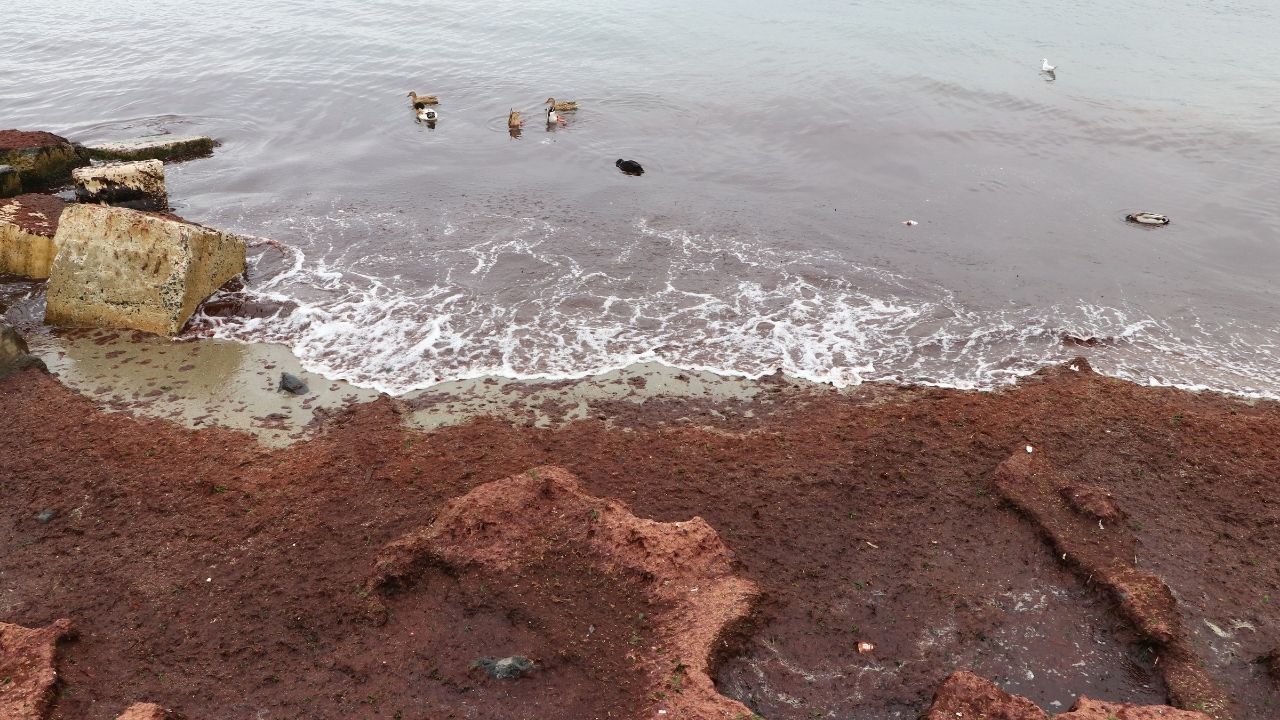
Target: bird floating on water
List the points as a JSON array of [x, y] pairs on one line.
[[513, 120], [428, 115], [630, 167], [565, 106], [1050, 70], [421, 101], [1148, 218], [553, 118]]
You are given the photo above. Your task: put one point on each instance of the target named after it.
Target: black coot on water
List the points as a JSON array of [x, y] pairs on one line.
[[630, 167]]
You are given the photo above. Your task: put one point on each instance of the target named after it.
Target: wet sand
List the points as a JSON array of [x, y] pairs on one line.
[[235, 385], [229, 572]]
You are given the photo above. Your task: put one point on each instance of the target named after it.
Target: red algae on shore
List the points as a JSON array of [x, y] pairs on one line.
[[1086, 528], [28, 669], [218, 578], [965, 696], [681, 568]]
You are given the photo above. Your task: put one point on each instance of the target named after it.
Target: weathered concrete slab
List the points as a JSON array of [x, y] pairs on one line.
[[164, 147], [10, 182], [138, 185], [124, 268], [42, 159], [28, 224]]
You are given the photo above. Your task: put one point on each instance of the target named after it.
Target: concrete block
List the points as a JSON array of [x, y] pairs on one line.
[[164, 147], [137, 185], [124, 268], [28, 224], [10, 182], [42, 159]]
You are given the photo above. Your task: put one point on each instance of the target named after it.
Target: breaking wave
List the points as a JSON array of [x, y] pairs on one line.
[[517, 305]]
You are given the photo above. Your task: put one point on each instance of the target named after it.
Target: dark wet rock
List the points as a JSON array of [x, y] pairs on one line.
[[1272, 663], [41, 159], [10, 182], [44, 516], [292, 384], [507, 668], [1079, 364], [1085, 340], [14, 353], [226, 306]]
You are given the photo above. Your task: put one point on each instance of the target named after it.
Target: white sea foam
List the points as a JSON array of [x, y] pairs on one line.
[[516, 304]]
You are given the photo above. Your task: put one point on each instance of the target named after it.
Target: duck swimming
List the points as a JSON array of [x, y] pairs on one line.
[[513, 120], [1148, 218], [565, 106], [421, 101], [553, 117], [630, 167], [428, 115]]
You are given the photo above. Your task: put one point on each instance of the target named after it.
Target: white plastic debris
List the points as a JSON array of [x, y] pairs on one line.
[[865, 647], [910, 223], [1030, 449]]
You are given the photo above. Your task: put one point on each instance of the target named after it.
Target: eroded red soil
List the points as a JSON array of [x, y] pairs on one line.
[[220, 579]]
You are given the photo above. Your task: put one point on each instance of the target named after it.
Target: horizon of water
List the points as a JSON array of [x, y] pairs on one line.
[[784, 148]]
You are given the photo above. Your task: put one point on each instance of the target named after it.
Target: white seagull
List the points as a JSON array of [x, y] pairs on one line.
[[1046, 67]]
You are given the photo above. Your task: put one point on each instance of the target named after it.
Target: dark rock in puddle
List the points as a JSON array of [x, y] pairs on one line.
[[44, 516], [507, 668], [1085, 340], [235, 306], [292, 384], [14, 354]]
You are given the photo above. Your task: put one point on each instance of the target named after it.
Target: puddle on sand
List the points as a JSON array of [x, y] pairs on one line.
[[1023, 622]]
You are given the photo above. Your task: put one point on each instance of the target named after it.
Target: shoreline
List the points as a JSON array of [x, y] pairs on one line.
[[199, 382], [874, 515]]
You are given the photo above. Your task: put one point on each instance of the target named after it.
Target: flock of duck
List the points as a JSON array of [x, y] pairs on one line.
[[424, 107]]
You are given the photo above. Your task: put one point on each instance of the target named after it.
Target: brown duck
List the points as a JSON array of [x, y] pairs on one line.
[[421, 101], [565, 106]]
